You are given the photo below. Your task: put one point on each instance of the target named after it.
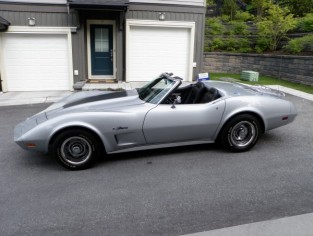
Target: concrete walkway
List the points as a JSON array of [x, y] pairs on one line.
[[28, 98], [301, 225]]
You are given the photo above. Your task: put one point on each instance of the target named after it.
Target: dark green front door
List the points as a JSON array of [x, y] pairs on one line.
[[101, 40]]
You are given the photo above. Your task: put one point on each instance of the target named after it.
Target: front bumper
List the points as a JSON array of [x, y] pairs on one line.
[[25, 134]]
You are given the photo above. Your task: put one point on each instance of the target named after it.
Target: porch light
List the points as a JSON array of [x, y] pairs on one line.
[[31, 21], [161, 16]]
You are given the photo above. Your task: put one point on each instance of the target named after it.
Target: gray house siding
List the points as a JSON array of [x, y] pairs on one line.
[[52, 19], [49, 16], [46, 15], [80, 43], [174, 13], [59, 15]]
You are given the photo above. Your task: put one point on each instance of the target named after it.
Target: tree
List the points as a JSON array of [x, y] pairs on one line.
[[274, 27], [229, 8], [209, 2], [298, 8], [260, 6]]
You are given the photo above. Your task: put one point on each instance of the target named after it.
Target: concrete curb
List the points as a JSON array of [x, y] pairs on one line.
[[291, 91]]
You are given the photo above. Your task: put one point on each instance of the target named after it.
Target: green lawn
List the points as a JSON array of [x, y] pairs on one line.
[[265, 80]]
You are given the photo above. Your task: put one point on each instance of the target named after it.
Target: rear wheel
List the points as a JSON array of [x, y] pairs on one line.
[[76, 149], [240, 133]]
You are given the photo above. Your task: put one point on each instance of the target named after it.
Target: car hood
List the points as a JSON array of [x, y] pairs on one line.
[[93, 101]]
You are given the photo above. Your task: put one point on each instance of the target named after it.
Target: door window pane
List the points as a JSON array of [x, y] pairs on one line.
[[101, 40]]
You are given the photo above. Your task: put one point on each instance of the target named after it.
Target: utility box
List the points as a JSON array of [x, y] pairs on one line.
[[249, 75]]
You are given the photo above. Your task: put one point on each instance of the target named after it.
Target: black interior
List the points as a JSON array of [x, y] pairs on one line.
[[194, 94]]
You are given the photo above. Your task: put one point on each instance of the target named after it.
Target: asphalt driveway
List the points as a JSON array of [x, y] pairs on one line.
[[171, 191]]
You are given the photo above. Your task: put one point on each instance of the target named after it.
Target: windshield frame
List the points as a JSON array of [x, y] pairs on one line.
[[148, 94]]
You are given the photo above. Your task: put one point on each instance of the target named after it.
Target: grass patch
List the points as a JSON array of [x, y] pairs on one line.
[[265, 80]]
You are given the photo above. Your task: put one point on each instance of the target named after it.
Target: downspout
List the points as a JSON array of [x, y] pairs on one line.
[[4, 25]]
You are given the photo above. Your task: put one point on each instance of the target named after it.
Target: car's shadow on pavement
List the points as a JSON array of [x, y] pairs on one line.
[[160, 152], [35, 160]]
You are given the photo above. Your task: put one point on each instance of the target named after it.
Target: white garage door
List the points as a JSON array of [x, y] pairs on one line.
[[35, 62], [153, 50]]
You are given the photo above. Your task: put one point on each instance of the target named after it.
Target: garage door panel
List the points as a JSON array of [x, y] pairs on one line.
[[153, 50], [36, 62]]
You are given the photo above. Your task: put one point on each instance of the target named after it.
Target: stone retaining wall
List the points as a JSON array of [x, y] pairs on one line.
[[297, 69]]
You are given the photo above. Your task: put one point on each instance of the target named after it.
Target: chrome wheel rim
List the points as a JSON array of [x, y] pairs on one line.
[[243, 134], [76, 150]]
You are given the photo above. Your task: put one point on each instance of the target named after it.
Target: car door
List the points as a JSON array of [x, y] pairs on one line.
[[166, 123]]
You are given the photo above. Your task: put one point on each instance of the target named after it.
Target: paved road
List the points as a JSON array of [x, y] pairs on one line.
[[161, 192]]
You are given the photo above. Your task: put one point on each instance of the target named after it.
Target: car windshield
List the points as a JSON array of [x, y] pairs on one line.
[[154, 91]]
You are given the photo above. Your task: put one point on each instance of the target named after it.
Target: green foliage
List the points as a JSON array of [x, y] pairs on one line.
[[243, 16], [260, 6], [217, 43], [215, 26], [225, 18], [298, 7], [274, 27], [230, 8], [239, 28], [261, 44], [230, 44], [305, 24], [303, 44], [240, 16], [243, 45]]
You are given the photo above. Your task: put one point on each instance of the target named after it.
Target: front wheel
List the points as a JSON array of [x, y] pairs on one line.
[[76, 149], [240, 133]]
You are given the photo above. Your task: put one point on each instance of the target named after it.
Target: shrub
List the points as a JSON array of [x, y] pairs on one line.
[[305, 24], [225, 18], [244, 45], [215, 26], [216, 43], [261, 44], [239, 28], [243, 16], [230, 44], [303, 44]]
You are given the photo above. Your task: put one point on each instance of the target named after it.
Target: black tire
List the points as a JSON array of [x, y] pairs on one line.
[[240, 133], [76, 149]]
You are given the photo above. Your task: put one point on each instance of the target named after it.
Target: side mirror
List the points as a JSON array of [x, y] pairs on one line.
[[176, 101]]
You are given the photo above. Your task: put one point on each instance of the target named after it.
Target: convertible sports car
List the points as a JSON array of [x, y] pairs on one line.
[[86, 125]]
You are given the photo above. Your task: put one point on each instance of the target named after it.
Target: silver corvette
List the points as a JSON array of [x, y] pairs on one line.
[[163, 113]]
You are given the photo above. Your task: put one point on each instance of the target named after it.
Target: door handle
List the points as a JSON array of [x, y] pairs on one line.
[[111, 54]]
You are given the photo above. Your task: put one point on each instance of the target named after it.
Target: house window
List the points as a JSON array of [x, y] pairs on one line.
[[101, 40]]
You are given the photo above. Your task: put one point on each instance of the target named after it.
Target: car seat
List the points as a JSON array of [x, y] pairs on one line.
[[211, 95], [195, 93]]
